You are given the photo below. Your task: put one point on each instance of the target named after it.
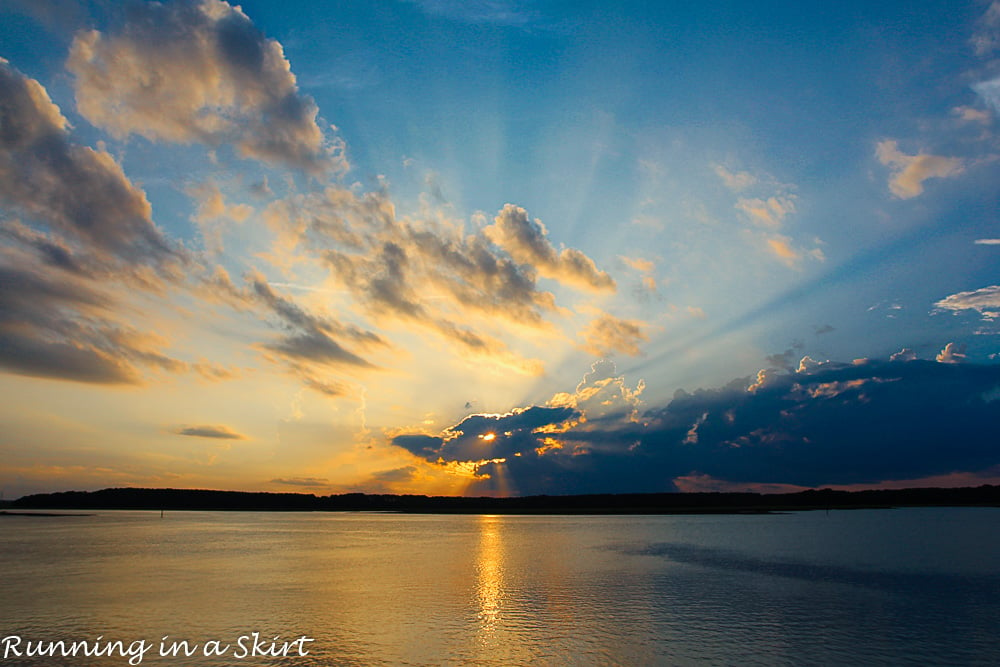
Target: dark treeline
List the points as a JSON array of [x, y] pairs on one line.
[[628, 503]]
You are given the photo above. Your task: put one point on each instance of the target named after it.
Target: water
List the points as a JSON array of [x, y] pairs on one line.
[[906, 586]]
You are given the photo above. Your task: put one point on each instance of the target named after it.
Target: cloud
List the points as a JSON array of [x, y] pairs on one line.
[[198, 72], [426, 273], [910, 171], [638, 264], [951, 354], [496, 12], [59, 325], [987, 36], [608, 334], [989, 91], [217, 431], [829, 424], [483, 437], [394, 475], [74, 189], [735, 181], [987, 241], [972, 115], [769, 213], [985, 300], [602, 395], [527, 242], [309, 482], [906, 354], [213, 214]]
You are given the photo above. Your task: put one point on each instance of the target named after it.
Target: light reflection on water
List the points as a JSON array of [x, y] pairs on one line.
[[489, 570], [912, 586]]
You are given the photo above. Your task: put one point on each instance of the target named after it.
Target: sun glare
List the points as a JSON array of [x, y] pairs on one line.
[[489, 437]]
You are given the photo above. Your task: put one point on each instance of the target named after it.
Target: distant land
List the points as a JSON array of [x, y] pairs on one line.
[[625, 503]]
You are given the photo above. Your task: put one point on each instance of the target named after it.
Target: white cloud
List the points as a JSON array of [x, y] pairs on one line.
[[198, 72], [986, 300], [989, 91]]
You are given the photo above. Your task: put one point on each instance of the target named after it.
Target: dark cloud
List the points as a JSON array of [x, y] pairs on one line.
[[403, 474], [302, 481], [312, 338], [219, 431], [787, 359], [487, 436], [54, 324], [27, 355], [828, 424], [74, 189]]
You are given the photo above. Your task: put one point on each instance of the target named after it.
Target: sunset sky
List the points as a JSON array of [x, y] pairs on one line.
[[498, 246]]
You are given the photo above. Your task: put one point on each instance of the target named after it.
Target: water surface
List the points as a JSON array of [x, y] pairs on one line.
[[905, 586]]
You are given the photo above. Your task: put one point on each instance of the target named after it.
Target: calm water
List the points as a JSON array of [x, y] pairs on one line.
[[906, 586]]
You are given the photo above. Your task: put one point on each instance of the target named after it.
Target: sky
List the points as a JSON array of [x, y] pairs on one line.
[[498, 247]]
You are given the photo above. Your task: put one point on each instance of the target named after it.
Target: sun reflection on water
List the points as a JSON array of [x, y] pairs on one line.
[[490, 591]]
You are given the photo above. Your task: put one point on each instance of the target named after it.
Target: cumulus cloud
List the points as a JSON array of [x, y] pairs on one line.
[[951, 354], [985, 300], [216, 431], [570, 427], [527, 241], [608, 334], [426, 272], [603, 395], [905, 354], [198, 72], [910, 171], [79, 191]]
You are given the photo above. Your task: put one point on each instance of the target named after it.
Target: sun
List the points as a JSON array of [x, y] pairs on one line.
[[489, 437]]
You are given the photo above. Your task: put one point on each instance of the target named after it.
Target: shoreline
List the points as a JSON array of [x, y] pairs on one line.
[[624, 504]]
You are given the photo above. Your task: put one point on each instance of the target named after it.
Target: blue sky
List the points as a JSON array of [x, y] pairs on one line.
[[498, 247]]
